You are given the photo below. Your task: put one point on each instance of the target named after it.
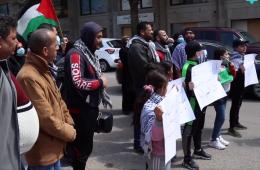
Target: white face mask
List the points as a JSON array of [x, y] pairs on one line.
[[58, 40], [20, 52]]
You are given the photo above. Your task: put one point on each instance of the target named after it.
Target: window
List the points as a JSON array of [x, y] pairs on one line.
[[181, 2], [61, 8], [4, 9], [115, 43], [147, 4], [93, 6], [143, 4], [85, 7], [125, 5], [227, 38], [206, 35], [99, 6]]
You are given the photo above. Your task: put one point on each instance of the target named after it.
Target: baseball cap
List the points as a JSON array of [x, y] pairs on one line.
[[239, 42]]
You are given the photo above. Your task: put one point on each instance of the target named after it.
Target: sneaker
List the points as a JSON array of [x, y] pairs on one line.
[[201, 154], [217, 145], [190, 164], [234, 133], [240, 127], [223, 141]]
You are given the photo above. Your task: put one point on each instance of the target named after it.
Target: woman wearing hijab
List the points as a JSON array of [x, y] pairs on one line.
[[84, 90]]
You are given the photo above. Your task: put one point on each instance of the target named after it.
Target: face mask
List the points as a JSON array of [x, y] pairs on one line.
[[20, 52], [180, 40], [58, 40]]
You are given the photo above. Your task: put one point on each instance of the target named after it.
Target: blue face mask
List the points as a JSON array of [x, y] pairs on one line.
[[20, 52], [180, 40]]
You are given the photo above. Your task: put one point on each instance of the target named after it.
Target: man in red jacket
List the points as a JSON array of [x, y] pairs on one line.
[[161, 45]]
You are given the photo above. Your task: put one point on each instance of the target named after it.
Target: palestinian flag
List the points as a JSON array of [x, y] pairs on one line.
[[34, 14]]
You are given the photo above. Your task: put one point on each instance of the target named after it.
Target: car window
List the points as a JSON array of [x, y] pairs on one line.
[[115, 43], [227, 38], [210, 51], [101, 45], [206, 35], [257, 59]]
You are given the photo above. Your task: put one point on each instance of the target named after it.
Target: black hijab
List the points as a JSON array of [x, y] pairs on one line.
[[88, 34]]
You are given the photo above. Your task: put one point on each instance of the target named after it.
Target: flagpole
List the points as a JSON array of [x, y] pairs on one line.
[[59, 25]]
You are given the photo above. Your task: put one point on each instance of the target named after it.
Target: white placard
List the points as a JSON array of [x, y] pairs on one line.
[[185, 112], [207, 88], [176, 110], [250, 71]]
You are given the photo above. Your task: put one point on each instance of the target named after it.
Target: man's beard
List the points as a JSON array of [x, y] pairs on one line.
[[163, 43], [148, 38]]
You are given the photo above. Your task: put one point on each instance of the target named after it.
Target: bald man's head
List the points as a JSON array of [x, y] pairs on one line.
[[39, 39], [43, 42]]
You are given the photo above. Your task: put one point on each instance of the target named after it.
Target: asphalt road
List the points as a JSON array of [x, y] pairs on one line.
[[114, 151]]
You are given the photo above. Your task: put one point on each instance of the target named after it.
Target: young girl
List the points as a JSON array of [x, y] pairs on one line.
[[152, 139], [226, 74], [167, 68]]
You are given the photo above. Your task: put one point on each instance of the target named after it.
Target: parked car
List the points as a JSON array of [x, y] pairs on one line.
[[211, 47], [226, 36], [108, 54]]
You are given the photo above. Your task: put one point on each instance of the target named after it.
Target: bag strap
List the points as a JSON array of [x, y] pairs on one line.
[[186, 65]]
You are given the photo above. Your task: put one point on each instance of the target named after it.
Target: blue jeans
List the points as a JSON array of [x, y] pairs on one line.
[[220, 108], [55, 166]]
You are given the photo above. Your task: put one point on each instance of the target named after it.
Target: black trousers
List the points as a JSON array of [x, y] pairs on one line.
[[81, 148], [128, 94], [193, 130], [236, 95]]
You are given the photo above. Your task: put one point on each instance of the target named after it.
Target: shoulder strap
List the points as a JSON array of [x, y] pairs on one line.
[[185, 67]]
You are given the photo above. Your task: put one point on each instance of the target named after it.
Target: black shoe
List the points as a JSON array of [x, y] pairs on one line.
[[234, 133], [190, 164], [174, 159], [126, 112], [201, 154], [240, 127], [139, 150]]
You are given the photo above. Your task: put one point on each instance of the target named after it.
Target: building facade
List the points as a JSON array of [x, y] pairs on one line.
[[171, 15]]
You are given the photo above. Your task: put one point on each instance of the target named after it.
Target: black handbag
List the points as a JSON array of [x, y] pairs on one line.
[[104, 122]]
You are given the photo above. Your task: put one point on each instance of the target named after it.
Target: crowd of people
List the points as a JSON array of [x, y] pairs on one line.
[[150, 60], [55, 87], [33, 75]]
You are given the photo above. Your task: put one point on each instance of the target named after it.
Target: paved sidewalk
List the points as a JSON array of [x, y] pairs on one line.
[[113, 151]]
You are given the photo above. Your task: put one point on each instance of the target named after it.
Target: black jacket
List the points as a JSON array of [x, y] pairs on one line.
[[15, 64], [139, 56], [81, 86]]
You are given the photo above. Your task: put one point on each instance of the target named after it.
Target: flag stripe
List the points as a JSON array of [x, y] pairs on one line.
[[47, 9], [26, 18], [35, 23]]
